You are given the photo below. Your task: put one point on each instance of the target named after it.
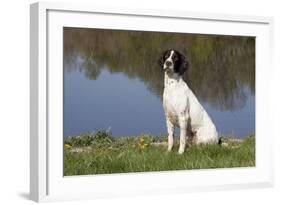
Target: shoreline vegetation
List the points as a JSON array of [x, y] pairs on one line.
[[101, 153]]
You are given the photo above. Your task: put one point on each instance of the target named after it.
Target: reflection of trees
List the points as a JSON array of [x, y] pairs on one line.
[[221, 65]]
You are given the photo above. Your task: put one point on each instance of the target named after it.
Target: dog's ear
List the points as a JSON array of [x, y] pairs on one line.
[[161, 61], [184, 64]]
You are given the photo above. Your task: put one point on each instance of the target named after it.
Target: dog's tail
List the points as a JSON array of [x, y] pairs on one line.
[[221, 140], [230, 143]]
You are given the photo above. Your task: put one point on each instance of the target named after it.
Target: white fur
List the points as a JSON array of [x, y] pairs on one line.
[[183, 110], [169, 59]]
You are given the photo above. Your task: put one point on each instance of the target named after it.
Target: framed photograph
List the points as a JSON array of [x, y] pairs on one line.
[[128, 102]]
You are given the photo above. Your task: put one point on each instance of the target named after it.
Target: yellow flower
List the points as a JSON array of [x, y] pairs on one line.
[[67, 146], [143, 146]]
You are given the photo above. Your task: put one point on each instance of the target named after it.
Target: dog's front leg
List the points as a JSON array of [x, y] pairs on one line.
[[183, 127], [171, 129]]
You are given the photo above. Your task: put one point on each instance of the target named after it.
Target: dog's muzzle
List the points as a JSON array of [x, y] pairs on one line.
[[168, 65]]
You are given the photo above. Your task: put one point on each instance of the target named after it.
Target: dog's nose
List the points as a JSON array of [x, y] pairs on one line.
[[168, 63]]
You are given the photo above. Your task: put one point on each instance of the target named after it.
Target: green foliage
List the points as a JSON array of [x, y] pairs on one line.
[[101, 137], [127, 154]]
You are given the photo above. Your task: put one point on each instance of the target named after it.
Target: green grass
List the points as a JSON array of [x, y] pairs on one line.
[[100, 153]]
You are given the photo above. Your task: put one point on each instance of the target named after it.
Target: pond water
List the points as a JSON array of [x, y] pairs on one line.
[[112, 80]]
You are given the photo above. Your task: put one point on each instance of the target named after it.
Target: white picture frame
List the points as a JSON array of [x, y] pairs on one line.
[[46, 177]]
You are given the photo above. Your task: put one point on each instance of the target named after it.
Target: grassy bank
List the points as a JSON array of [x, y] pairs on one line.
[[100, 153]]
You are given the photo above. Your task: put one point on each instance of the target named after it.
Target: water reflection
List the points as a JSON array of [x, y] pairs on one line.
[[222, 73]]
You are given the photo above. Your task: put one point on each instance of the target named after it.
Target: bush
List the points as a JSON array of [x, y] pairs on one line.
[[96, 138]]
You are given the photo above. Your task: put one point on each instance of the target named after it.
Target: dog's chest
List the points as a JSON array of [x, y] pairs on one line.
[[174, 102], [171, 113], [170, 99]]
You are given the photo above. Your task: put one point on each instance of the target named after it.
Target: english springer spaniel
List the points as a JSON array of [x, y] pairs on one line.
[[182, 109]]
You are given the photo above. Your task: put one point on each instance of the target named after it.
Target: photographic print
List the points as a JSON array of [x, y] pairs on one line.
[[142, 101]]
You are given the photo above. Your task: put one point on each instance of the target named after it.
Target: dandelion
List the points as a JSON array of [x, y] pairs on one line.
[[142, 143], [67, 146]]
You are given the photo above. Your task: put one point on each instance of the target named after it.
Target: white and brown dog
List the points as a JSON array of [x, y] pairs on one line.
[[182, 109]]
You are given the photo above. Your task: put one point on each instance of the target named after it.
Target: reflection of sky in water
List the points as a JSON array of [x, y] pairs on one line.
[[128, 108], [240, 122]]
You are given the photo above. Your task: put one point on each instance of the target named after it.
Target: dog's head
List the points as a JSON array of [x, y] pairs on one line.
[[173, 61]]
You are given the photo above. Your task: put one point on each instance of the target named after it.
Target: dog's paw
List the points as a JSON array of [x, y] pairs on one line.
[[181, 151], [170, 148]]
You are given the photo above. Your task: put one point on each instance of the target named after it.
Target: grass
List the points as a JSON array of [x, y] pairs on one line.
[[100, 153]]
